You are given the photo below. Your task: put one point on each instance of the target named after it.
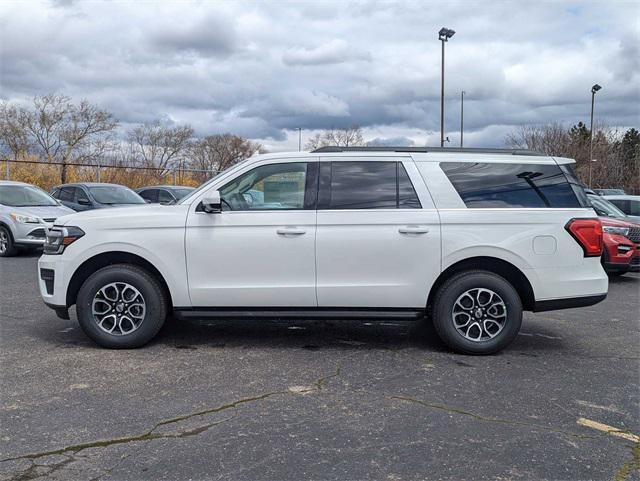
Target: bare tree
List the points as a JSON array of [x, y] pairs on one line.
[[62, 131], [14, 139], [160, 146], [345, 137], [615, 154], [219, 152]]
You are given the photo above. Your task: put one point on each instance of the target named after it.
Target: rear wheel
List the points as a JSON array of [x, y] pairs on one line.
[[7, 247], [121, 306], [477, 312]]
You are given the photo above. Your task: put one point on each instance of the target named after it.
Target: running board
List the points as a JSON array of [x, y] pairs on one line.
[[298, 313]]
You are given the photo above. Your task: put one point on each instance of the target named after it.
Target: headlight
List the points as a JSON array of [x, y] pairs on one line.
[[25, 219], [58, 238], [624, 231]]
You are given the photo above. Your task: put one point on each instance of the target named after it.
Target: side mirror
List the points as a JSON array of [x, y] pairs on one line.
[[84, 202], [212, 204]]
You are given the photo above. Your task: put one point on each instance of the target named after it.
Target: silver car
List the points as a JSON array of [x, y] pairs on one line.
[[25, 212]]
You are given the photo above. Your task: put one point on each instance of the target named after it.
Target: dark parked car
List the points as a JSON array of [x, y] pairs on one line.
[[94, 195], [164, 194]]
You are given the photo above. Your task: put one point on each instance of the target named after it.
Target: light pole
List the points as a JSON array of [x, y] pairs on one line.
[[462, 118], [299, 139], [443, 35], [594, 89]]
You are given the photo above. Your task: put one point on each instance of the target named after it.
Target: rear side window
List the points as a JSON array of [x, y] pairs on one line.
[[485, 185], [366, 185], [67, 194], [150, 195]]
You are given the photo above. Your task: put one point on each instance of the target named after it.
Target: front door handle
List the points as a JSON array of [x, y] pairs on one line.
[[413, 230], [291, 231]]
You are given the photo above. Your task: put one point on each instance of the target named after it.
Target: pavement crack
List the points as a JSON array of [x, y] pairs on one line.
[[71, 451], [478, 417]]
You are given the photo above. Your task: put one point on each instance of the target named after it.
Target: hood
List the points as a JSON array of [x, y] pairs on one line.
[[610, 221], [43, 212], [143, 216]]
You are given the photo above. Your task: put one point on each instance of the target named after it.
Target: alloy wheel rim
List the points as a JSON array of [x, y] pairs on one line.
[[479, 314], [4, 241], [118, 308]]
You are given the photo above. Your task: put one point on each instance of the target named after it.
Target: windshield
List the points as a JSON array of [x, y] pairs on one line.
[[605, 208], [207, 183], [180, 193], [115, 195], [25, 196]]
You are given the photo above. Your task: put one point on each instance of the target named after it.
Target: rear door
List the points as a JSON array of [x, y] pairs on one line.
[[378, 234]]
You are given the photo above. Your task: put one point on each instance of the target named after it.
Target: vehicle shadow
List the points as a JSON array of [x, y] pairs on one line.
[[341, 335]]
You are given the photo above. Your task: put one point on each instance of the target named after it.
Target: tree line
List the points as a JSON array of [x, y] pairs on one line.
[[55, 129]]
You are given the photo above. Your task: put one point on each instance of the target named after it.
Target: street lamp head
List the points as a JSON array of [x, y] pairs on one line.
[[595, 88], [445, 34]]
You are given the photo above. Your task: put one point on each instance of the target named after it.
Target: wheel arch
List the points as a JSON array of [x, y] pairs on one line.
[[491, 264], [105, 259]]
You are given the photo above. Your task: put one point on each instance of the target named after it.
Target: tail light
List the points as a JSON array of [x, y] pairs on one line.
[[588, 233]]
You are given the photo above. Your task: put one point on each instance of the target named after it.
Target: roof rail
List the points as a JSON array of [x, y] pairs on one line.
[[453, 150]]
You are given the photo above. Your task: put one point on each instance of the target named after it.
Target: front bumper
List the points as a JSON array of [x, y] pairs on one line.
[[29, 234], [52, 273]]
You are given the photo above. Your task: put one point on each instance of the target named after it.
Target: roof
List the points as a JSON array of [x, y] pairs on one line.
[[447, 150], [166, 186], [12, 182], [621, 197], [89, 184]]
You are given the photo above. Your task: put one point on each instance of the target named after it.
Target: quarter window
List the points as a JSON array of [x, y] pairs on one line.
[[269, 187], [511, 185]]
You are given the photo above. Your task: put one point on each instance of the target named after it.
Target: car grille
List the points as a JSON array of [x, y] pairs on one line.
[[37, 234], [634, 234], [635, 261], [50, 220]]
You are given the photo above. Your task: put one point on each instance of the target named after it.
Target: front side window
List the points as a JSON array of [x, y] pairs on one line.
[[486, 185], [165, 197], [268, 187], [366, 185]]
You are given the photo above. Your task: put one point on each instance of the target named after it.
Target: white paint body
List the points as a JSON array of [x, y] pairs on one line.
[[334, 258]]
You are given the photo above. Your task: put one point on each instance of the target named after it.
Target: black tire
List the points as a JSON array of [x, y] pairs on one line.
[[7, 247], [152, 292], [452, 289]]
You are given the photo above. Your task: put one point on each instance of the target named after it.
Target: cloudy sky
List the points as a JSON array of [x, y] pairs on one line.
[[262, 69]]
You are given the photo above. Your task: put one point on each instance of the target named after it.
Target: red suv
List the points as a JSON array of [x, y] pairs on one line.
[[621, 238]]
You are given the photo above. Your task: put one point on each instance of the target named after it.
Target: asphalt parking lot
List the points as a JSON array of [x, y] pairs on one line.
[[318, 400]]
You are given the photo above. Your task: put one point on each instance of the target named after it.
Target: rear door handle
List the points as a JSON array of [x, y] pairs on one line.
[[413, 230], [291, 231]]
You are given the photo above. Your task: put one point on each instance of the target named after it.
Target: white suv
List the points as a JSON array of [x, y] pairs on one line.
[[467, 237]]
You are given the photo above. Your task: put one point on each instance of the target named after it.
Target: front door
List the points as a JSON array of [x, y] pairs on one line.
[[378, 238], [260, 250]]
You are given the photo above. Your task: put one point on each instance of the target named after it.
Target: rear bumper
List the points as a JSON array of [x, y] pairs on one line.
[[568, 303]]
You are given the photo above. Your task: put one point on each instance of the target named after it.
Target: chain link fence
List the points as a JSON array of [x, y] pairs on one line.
[[47, 175]]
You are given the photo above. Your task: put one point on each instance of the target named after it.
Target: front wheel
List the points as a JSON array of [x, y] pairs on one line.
[[121, 306], [477, 312], [7, 248]]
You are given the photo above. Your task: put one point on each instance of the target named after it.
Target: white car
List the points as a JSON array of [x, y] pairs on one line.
[[469, 238]]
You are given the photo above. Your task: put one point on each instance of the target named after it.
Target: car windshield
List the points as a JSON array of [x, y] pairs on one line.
[[25, 196], [605, 208], [113, 194], [180, 193]]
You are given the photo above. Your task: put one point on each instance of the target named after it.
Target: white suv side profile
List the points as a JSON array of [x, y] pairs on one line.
[[466, 237]]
